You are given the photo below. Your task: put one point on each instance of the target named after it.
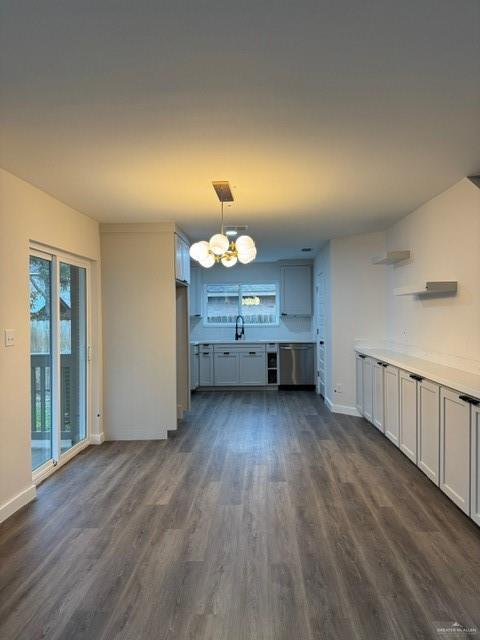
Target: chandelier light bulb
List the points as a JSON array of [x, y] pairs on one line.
[[208, 261], [244, 242], [219, 244], [229, 261], [199, 250], [246, 256]]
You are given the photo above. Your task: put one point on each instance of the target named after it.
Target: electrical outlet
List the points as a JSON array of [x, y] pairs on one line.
[[338, 388], [9, 337]]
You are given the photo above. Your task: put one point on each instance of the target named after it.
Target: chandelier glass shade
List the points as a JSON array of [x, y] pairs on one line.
[[220, 249]]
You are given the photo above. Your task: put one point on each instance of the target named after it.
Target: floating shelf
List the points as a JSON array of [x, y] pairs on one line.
[[391, 257], [430, 287]]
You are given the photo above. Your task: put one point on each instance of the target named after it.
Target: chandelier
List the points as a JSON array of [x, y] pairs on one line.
[[219, 248]]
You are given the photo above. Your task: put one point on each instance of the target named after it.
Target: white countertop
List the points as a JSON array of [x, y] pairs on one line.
[[462, 381], [245, 342]]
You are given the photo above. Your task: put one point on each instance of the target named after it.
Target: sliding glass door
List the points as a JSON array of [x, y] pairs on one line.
[[41, 359], [59, 356], [73, 355]]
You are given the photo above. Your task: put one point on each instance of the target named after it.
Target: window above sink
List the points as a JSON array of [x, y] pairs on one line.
[[258, 303]]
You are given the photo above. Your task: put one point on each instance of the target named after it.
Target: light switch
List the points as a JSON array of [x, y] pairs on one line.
[[9, 337]]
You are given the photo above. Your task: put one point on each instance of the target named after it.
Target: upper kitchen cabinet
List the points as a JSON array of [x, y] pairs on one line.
[[296, 294], [182, 260], [195, 291]]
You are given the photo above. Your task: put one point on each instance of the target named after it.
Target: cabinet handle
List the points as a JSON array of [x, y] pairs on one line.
[[413, 376], [470, 400], [284, 314], [360, 355], [252, 353], [322, 342], [380, 364], [226, 353]]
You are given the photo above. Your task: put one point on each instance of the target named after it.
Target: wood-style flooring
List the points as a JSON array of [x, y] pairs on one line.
[[263, 517]]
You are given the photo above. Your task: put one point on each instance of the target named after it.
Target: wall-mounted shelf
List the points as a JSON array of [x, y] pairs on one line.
[[430, 287], [391, 257]]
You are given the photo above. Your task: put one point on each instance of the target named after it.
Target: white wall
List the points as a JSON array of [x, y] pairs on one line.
[[139, 331], [261, 272], [358, 295], [444, 237], [28, 214]]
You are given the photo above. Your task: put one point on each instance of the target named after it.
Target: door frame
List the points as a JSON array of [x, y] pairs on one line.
[[58, 458]]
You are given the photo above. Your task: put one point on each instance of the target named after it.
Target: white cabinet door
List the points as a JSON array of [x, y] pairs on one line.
[[195, 293], [390, 382], [455, 448], [178, 258], [205, 367], [368, 389], [186, 262], [378, 394], [296, 293], [253, 367], [194, 373], [475, 499], [359, 381], [428, 429], [408, 415], [182, 260], [225, 368]]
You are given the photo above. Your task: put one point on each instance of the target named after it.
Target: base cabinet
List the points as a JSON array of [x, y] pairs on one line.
[[253, 368], [359, 382], [378, 396], [205, 367], [428, 429], [475, 480], [239, 365], [436, 427], [194, 368], [391, 404], [225, 368], [408, 415], [368, 389], [455, 448]]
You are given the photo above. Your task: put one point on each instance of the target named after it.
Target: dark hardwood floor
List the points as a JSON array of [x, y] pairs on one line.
[[263, 517]]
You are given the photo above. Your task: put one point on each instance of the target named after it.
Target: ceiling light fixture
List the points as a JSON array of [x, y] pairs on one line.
[[220, 248]]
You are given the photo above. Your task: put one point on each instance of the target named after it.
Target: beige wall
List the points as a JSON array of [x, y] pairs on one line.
[[139, 331], [28, 214], [444, 237]]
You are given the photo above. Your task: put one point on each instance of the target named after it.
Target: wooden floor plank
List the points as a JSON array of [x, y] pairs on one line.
[[263, 517]]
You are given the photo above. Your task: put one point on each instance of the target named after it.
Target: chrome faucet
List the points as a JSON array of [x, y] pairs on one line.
[[239, 331]]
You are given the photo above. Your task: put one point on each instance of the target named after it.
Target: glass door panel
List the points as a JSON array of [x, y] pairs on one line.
[[73, 355], [40, 273]]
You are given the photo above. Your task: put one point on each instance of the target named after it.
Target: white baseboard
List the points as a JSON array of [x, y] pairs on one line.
[[97, 438], [342, 408], [18, 501]]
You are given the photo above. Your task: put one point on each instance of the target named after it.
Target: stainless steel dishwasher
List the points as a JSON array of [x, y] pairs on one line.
[[297, 363]]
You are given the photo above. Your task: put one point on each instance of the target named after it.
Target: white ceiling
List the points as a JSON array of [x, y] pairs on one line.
[[329, 117]]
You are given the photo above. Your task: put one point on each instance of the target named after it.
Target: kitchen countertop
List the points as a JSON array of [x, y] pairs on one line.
[[246, 342], [457, 379]]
